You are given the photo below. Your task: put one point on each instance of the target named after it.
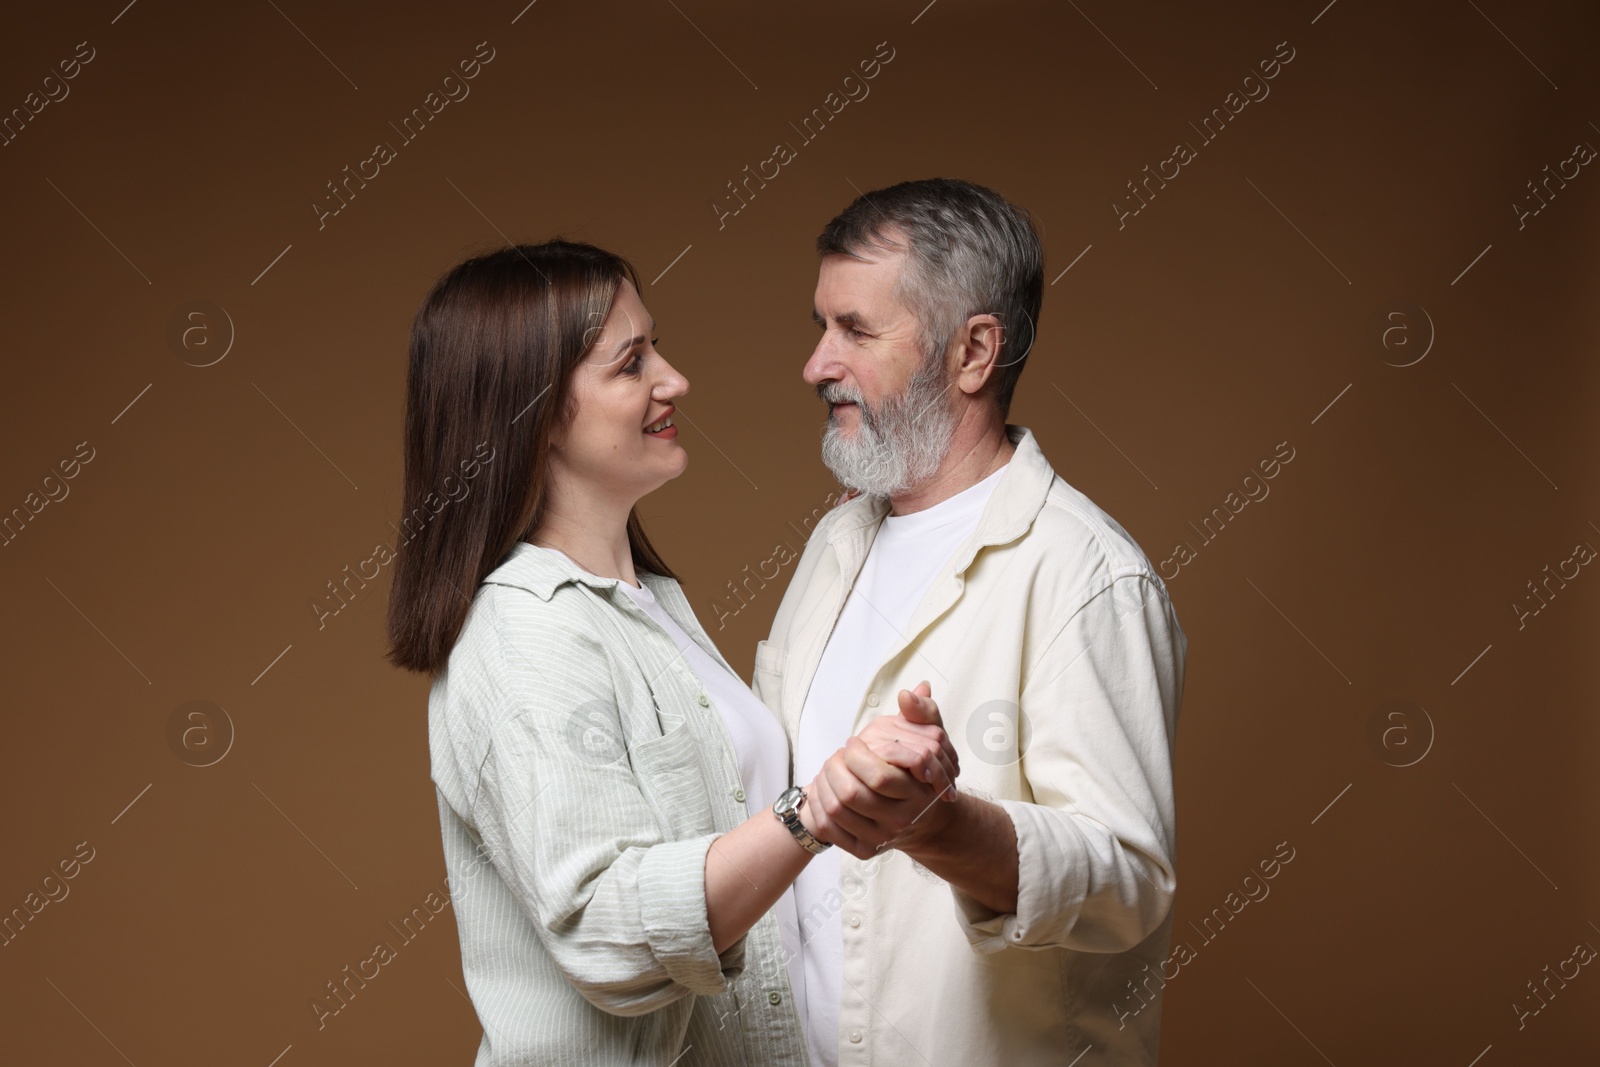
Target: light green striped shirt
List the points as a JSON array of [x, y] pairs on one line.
[[582, 773]]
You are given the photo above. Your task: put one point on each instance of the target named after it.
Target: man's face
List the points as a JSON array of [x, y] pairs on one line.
[[890, 414]]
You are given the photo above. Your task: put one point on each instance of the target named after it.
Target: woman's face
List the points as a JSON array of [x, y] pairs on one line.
[[622, 389]]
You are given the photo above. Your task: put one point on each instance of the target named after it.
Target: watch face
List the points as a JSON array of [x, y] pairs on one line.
[[788, 801]]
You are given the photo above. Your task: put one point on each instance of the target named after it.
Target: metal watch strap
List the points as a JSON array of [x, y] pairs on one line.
[[791, 818]]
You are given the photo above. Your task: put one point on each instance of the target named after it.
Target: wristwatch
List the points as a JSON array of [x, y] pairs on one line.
[[787, 809]]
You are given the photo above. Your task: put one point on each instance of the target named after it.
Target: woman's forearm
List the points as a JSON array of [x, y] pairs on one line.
[[747, 870]]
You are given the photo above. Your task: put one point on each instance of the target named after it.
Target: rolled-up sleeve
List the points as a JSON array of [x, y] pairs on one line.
[[1095, 845], [620, 907]]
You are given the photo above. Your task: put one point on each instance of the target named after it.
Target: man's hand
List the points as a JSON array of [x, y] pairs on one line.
[[877, 791], [915, 740]]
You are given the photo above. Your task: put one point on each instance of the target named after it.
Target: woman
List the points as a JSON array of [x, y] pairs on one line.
[[606, 783]]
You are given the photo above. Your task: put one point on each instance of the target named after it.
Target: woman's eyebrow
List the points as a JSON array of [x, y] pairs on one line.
[[639, 340]]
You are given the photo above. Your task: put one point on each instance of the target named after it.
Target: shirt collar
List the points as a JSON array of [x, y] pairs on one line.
[[541, 573], [1012, 507]]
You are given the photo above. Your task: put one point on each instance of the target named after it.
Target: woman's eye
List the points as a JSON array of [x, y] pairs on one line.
[[632, 366]]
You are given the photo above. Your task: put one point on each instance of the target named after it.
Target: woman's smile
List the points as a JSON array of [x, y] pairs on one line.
[[662, 428]]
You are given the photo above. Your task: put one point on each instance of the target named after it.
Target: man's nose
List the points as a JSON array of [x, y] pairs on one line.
[[821, 367]]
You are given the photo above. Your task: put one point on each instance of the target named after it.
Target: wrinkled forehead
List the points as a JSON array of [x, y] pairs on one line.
[[865, 282]]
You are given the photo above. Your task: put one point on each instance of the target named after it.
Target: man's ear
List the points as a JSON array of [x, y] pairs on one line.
[[983, 345]]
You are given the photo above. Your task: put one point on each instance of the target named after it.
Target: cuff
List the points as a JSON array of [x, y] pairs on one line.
[[672, 910], [1052, 883]]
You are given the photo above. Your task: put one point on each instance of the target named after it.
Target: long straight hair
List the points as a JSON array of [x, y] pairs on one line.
[[492, 352]]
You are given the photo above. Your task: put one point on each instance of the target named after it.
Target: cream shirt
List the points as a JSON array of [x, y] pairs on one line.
[[906, 557], [1057, 662]]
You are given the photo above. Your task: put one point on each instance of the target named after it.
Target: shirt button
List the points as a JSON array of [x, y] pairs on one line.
[[855, 920], [775, 997], [872, 700], [738, 794], [705, 701], [855, 1037]]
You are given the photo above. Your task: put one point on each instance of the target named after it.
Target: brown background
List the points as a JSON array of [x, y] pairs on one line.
[[1227, 317]]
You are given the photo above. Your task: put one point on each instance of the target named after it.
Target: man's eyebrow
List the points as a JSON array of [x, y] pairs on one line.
[[844, 318], [630, 342]]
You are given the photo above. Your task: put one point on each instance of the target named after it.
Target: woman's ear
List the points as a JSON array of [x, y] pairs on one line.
[[558, 433]]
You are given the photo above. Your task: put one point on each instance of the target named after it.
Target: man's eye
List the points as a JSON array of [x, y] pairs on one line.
[[855, 332]]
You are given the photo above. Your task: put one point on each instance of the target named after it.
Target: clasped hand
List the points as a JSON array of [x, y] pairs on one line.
[[881, 789]]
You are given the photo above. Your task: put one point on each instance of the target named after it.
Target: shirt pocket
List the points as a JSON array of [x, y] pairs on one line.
[[671, 774]]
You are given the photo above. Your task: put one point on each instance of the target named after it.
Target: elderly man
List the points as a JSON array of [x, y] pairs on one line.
[[1011, 926]]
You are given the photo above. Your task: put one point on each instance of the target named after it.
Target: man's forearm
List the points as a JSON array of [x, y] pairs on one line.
[[973, 846]]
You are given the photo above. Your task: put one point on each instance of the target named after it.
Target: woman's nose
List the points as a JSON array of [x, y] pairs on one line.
[[674, 384]]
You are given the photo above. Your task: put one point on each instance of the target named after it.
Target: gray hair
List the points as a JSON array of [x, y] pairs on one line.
[[968, 252]]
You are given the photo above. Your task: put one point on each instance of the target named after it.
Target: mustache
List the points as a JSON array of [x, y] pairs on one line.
[[835, 393]]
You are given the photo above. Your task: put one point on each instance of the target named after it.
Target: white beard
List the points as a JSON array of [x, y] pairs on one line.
[[896, 445]]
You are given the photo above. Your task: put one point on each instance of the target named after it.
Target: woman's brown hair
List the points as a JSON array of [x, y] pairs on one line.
[[492, 352]]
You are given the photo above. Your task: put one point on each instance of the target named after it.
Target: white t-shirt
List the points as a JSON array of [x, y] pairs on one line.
[[759, 745], [907, 554]]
